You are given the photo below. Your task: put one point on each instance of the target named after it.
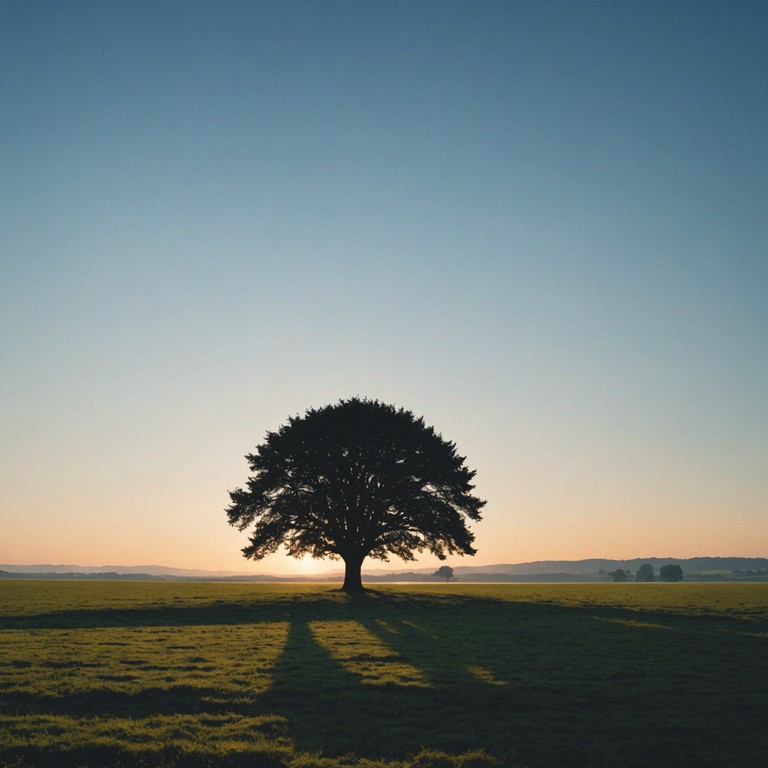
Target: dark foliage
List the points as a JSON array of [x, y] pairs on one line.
[[619, 575], [444, 572], [671, 573], [644, 573], [353, 480]]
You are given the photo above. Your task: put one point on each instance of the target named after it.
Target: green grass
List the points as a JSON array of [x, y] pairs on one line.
[[430, 676]]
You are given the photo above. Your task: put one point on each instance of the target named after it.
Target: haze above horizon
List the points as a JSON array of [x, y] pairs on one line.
[[541, 226]]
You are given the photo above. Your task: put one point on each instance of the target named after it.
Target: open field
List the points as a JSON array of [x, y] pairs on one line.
[[194, 674]]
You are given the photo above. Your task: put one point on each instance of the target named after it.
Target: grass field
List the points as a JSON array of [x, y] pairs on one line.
[[194, 674]]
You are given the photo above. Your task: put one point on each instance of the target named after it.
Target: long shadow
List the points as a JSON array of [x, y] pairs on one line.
[[524, 679], [519, 679], [330, 709], [315, 693], [105, 702], [224, 612], [165, 616], [318, 605], [372, 603], [471, 699], [109, 756], [323, 605]]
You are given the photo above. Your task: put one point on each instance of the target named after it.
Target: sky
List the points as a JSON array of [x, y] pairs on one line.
[[541, 225]]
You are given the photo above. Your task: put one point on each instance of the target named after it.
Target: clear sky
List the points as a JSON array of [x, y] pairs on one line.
[[540, 225]]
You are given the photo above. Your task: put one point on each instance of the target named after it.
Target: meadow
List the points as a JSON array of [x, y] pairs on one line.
[[430, 676]]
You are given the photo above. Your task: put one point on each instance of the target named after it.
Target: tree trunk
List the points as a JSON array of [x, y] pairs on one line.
[[353, 581]]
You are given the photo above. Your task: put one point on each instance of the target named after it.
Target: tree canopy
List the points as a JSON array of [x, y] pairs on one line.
[[644, 573], [619, 575], [444, 572], [353, 480], [671, 573]]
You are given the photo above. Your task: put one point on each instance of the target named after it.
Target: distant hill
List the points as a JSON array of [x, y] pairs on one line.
[[153, 572], [147, 570], [694, 569], [593, 566]]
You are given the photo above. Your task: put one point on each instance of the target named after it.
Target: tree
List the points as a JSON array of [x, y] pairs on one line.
[[444, 572], [644, 573], [671, 573], [353, 480], [618, 575]]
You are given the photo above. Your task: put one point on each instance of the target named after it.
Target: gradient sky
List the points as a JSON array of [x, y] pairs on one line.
[[540, 225]]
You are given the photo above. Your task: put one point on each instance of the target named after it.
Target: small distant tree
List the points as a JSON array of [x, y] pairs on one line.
[[671, 573], [618, 575], [444, 572], [644, 573]]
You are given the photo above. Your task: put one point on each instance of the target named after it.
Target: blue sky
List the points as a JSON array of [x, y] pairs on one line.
[[540, 225]]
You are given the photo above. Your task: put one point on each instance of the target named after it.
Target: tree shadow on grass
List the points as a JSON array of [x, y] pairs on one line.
[[144, 756], [323, 703], [462, 706], [106, 702], [160, 616], [537, 683], [532, 683]]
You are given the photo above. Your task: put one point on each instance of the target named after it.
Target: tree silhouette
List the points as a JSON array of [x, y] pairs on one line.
[[353, 480], [671, 573], [444, 572], [619, 575], [644, 573]]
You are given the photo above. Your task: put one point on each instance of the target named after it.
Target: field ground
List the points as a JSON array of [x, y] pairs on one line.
[[431, 676]]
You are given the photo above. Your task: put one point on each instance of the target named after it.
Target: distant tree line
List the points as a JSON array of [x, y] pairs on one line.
[[645, 573]]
